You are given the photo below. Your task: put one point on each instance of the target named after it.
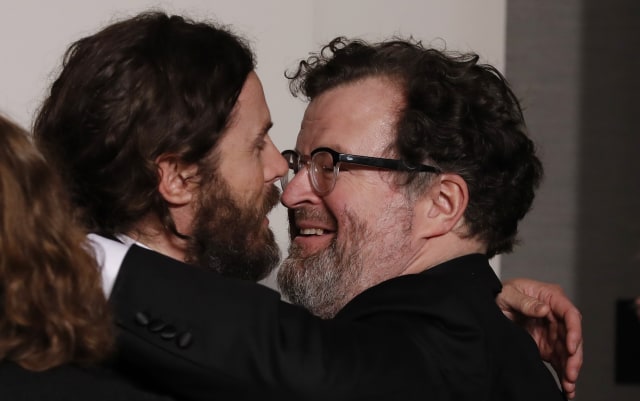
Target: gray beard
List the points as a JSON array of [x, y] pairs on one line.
[[324, 282]]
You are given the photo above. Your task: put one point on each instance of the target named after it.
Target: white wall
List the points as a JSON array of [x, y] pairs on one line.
[[34, 35]]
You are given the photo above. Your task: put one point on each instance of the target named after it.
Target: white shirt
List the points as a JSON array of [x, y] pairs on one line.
[[109, 255]]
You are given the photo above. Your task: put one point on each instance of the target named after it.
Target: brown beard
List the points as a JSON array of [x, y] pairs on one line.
[[231, 239]]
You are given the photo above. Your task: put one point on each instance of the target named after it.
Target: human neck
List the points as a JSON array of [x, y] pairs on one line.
[[154, 235], [442, 249]]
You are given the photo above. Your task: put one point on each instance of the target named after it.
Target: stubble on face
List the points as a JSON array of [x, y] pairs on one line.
[[230, 237], [325, 281], [321, 282]]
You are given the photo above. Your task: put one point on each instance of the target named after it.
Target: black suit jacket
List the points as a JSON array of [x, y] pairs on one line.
[[198, 335], [67, 383], [468, 349]]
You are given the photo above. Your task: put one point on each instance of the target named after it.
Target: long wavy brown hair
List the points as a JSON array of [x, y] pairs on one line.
[[52, 308]]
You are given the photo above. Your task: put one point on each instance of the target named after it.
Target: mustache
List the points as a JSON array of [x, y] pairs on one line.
[[271, 199], [311, 214], [308, 214]]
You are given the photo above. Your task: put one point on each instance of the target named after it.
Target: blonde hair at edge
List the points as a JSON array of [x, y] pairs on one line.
[[52, 308]]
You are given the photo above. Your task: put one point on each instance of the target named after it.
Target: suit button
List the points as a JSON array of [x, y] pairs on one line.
[[156, 325], [169, 332], [142, 319], [184, 340]]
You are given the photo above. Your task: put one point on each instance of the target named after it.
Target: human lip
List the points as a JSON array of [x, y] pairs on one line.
[[313, 236], [310, 228]]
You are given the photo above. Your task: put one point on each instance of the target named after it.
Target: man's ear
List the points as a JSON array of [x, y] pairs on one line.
[[175, 179], [442, 208]]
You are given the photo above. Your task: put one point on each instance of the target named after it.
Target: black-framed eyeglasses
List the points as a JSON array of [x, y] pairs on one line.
[[324, 166]]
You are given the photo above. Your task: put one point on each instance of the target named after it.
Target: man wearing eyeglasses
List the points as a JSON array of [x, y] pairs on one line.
[[161, 128], [413, 167]]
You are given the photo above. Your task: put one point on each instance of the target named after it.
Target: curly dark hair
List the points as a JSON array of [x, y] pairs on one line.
[[143, 87], [458, 114], [52, 308]]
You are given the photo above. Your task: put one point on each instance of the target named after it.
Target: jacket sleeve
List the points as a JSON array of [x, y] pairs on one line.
[[200, 336]]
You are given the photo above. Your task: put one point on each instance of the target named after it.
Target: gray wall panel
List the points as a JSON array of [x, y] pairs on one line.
[[576, 65]]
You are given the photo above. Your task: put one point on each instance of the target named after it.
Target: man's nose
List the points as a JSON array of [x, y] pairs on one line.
[[299, 191], [275, 164]]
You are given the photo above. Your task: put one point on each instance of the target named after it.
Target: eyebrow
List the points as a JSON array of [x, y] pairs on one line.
[[263, 132], [265, 129]]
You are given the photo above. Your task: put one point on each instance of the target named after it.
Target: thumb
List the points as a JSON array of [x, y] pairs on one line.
[[512, 299], [531, 307]]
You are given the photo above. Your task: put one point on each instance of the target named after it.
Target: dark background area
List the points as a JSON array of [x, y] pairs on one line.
[[576, 65]]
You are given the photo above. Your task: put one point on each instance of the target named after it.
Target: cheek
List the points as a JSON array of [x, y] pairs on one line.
[[366, 204], [380, 212], [250, 183], [349, 212]]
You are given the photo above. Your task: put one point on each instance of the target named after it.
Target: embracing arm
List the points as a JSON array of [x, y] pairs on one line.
[[198, 336], [552, 320]]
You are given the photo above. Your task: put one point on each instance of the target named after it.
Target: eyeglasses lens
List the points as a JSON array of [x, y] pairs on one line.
[[322, 172]]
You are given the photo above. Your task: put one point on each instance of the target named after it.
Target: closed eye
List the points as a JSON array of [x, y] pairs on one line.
[[261, 142]]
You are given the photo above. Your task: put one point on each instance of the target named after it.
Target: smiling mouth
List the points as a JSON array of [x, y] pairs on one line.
[[311, 240], [310, 226], [311, 231]]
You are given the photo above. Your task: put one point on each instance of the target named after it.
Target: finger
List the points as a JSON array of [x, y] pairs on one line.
[[573, 323], [503, 299], [569, 388], [573, 365], [528, 306], [557, 334], [570, 395], [539, 309]]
